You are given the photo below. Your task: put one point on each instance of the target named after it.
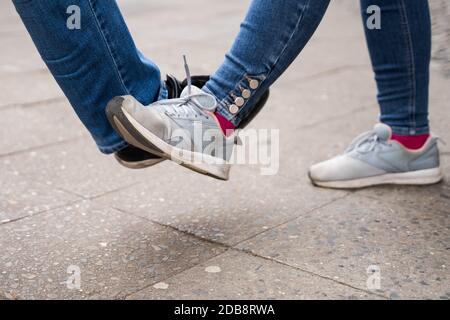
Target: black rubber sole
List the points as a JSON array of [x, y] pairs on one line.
[[141, 164]]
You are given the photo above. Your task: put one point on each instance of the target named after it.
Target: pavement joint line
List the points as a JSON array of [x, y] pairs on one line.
[[43, 146], [167, 226], [239, 242], [37, 103], [307, 212], [83, 197], [309, 272], [225, 247], [249, 252], [133, 184], [32, 215], [174, 275], [189, 234], [228, 247], [96, 196], [8, 221]]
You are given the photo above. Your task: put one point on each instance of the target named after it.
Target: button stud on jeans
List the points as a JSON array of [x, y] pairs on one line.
[[239, 101], [254, 84], [233, 109], [246, 93]]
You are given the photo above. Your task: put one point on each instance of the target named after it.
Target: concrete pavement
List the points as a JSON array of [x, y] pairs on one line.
[[76, 225]]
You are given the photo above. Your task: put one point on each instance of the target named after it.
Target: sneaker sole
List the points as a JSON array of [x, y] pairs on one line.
[[420, 177], [137, 135], [139, 164]]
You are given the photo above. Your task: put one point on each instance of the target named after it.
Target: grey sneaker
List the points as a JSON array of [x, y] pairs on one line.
[[374, 159], [135, 158], [183, 130]]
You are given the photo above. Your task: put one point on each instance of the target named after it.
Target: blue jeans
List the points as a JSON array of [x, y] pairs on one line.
[[101, 61], [92, 64], [275, 32]]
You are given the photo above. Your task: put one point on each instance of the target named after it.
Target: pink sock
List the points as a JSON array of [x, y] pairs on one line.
[[226, 126], [411, 142]]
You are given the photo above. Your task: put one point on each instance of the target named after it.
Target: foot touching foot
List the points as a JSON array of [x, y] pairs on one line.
[[135, 158], [374, 159], [184, 130]]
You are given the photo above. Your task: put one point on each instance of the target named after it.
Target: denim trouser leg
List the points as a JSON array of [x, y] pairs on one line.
[[91, 64], [400, 54], [271, 37]]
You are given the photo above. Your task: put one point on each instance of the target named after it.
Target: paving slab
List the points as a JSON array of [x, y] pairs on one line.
[[113, 253], [19, 55], [20, 197], [78, 167], [320, 104], [24, 88], [35, 126], [341, 241], [228, 212], [236, 275]]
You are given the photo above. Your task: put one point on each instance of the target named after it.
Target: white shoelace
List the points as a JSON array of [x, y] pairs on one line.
[[369, 137], [188, 105]]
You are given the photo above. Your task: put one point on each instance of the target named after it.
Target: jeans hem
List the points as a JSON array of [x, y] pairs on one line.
[[221, 109], [113, 148], [223, 105], [402, 131]]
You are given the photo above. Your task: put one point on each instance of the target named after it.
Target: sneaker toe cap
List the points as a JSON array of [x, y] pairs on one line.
[[341, 168], [150, 118]]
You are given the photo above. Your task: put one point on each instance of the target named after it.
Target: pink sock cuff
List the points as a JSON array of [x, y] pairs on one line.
[[411, 142], [226, 125]]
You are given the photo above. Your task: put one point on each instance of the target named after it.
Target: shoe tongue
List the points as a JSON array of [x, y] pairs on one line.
[[383, 131], [207, 101]]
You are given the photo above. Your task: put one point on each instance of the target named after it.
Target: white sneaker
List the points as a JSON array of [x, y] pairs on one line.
[[374, 159]]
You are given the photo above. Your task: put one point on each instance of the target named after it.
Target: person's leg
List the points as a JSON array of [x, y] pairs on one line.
[[272, 35], [91, 64], [399, 150], [400, 52]]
